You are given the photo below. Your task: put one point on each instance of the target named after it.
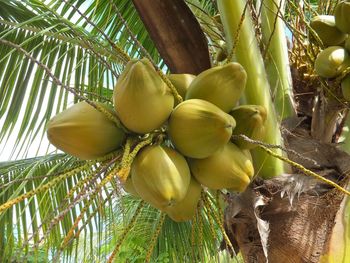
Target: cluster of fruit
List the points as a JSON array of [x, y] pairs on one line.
[[197, 147], [333, 31]]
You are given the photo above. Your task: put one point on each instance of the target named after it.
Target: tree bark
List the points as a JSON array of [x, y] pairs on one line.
[[300, 210]]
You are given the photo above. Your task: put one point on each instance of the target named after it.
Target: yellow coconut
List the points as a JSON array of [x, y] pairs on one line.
[[198, 128], [324, 26], [332, 61], [128, 186], [142, 100], [186, 209], [160, 175], [229, 168], [342, 16], [84, 132], [181, 82], [250, 121], [220, 85]]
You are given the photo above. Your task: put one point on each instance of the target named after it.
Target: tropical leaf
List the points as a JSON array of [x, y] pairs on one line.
[[71, 54]]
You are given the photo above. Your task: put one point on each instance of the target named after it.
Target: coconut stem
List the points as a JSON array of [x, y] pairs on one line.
[[193, 241], [276, 56], [128, 157], [172, 88], [212, 213], [42, 188], [200, 228], [155, 237], [212, 229], [305, 171], [240, 35], [70, 233]]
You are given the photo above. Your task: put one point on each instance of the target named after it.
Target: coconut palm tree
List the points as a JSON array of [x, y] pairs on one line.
[[56, 207]]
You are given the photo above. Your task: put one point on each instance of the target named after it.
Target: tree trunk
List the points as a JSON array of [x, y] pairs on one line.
[[300, 211], [176, 33]]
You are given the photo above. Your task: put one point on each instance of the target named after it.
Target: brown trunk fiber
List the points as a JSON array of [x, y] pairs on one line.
[[302, 219], [176, 33]]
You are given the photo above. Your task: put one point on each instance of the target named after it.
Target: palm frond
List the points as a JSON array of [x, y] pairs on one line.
[[73, 56], [56, 190]]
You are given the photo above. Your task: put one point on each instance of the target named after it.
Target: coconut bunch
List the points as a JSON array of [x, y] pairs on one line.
[[196, 148], [334, 33]]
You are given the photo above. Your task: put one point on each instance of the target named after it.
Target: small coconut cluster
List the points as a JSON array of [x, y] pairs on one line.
[[334, 33], [196, 148]]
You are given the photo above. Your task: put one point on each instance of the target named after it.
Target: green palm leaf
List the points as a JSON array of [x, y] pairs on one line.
[[73, 56]]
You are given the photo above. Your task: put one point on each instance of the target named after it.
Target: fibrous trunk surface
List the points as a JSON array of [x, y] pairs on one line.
[[300, 211]]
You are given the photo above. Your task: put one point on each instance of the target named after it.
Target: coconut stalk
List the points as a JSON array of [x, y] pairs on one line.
[[276, 56], [257, 90]]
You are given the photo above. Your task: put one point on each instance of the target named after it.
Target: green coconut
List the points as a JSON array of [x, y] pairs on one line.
[[220, 85], [160, 176], [324, 26], [342, 16], [186, 209], [181, 82], [332, 61], [84, 132], [198, 128], [128, 186], [250, 121], [229, 168], [142, 100]]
